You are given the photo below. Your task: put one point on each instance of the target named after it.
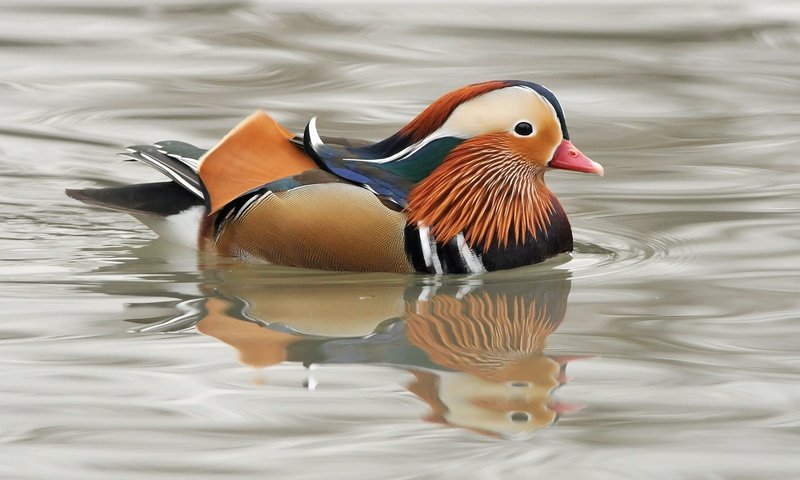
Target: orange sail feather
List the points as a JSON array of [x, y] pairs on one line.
[[255, 152]]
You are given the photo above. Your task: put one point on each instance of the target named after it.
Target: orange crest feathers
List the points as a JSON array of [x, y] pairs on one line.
[[434, 116]]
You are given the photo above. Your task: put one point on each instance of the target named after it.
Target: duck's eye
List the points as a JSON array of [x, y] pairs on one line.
[[520, 417], [523, 129]]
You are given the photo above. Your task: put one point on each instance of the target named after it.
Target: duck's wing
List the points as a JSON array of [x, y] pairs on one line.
[[259, 152], [338, 157]]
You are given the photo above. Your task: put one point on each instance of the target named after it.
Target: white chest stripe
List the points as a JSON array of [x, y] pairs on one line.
[[437, 264], [424, 244], [428, 245], [471, 259]]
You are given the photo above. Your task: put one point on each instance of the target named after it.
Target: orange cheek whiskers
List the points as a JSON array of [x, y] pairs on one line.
[[484, 190]]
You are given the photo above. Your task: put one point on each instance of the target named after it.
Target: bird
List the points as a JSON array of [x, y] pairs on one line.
[[458, 190]]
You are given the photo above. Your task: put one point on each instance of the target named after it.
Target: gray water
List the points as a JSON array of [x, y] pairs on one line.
[[665, 346]]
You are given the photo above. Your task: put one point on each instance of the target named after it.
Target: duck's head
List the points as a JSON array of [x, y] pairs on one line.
[[509, 118], [488, 144]]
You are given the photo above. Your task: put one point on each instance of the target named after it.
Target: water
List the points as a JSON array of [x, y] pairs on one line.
[[665, 346]]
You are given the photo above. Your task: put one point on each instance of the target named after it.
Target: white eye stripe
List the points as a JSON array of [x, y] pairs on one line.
[[494, 112]]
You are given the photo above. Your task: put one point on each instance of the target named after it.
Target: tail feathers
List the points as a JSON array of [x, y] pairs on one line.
[[182, 170], [150, 199], [185, 153]]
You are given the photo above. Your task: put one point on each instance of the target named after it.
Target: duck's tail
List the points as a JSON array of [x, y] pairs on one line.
[[173, 209], [160, 199], [258, 151], [177, 160]]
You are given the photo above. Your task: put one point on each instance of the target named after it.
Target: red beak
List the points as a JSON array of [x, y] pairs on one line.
[[570, 158]]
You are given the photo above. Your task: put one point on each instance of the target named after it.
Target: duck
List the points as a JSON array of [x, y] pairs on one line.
[[458, 190]]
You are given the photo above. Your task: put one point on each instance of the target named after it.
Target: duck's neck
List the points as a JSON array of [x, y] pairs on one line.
[[499, 202]]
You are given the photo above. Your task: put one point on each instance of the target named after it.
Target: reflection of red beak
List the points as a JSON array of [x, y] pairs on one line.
[[570, 158]]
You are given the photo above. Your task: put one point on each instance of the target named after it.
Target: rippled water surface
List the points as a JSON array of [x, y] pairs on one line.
[[665, 346]]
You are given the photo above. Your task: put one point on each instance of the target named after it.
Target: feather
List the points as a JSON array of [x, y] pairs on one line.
[[160, 199], [429, 120], [172, 167], [420, 162], [484, 191], [332, 226], [255, 152], [182, 151], [333, 158], [169, 210]]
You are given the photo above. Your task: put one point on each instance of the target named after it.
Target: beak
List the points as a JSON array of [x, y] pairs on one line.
[[568, 157]]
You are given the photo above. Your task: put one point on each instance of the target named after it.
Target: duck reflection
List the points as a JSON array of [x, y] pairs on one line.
[[492, 375], [475, 351]]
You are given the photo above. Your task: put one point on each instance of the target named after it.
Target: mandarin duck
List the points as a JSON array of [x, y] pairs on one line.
[[459, 189]]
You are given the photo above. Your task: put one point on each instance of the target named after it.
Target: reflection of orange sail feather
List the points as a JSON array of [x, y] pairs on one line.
[[258, 347]]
